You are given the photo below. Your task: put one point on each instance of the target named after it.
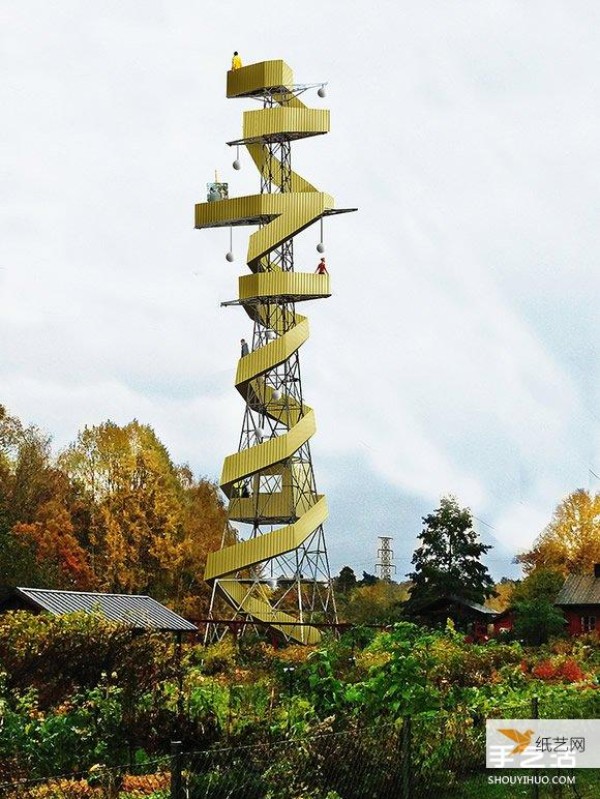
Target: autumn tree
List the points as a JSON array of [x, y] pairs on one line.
[[570, 544], [448, 562], [37, 545], [378, 603], [112, 513], [205, 528], [61, 561], [26, 472], [503, 592], [148, 525], [134, 498]]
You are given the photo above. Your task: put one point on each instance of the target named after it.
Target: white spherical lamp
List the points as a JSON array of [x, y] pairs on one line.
[[230, 257]]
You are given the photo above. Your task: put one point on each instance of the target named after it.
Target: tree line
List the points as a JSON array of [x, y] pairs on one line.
[[113, 512], [449, 562]]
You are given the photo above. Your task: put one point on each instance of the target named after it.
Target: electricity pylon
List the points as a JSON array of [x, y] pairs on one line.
[[280, 574], [386, 556]]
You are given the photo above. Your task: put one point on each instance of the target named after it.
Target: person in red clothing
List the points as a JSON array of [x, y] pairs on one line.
[[321, 268]]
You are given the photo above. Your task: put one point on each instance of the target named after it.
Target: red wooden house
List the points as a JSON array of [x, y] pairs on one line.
[[579, 600], [504, 621]]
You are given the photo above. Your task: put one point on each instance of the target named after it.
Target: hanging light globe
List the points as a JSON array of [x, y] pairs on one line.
[[236, 164], [320, 247], [322, 92], [230, 257]]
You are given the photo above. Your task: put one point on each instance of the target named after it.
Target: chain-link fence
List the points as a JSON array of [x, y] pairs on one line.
[[153, 779], [440, 755]]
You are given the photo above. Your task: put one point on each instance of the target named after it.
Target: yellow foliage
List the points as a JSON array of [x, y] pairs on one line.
[[571, 542]]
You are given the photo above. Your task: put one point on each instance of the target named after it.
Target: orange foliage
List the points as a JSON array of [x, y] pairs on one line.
[[52, 540], [567, 670]]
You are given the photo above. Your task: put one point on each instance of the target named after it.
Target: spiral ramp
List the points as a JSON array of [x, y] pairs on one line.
[[280, 215]]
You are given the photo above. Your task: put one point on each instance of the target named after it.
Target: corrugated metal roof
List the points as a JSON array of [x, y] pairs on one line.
[[579, 589], [138, 611]]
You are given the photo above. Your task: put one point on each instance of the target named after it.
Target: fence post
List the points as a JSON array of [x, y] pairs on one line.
[[405, 758], [176, 792], [535, 714]]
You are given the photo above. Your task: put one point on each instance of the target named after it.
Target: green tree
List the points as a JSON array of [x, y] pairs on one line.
[[346, 580], [368, 579], [536, 620], [540, 584], [448, 562]]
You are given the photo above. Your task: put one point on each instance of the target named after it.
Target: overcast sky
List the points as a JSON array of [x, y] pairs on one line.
[[459, 351]]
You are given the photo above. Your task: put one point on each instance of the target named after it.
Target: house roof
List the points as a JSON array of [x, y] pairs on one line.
[[457, 600], [138, 611], [579, 589]]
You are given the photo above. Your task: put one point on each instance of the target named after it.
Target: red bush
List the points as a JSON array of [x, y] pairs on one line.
[[570, 670], [544, 670]]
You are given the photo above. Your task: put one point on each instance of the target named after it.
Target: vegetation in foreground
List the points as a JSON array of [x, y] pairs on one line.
[[63, 711]]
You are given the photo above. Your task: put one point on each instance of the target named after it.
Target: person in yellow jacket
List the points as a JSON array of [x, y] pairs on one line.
[[236, 61]]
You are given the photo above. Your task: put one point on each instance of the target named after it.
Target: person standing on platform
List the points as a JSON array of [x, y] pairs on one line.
[[321, 268], [245, 350], [236, 61]]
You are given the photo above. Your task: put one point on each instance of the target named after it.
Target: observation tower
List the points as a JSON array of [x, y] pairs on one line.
[[279, 575]]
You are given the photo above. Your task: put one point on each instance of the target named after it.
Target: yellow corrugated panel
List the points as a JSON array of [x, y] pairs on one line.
[[237, 211], [272, 354], [252, 460], [266, 506], [267, 546], [297, 285], [262, 611], [289, 214], [296, 212], [255, 78], [287, 121]]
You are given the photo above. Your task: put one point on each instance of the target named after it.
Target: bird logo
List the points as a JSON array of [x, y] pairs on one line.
[[522, 739]]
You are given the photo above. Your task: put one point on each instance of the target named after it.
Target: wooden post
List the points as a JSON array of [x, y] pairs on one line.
[[176, 792], [405, 758], [535, 714]]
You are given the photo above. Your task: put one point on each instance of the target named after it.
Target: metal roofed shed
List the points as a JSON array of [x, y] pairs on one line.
[[137, 611]]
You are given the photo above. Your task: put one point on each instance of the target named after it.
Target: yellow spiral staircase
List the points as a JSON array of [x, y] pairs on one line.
[[269, 295]]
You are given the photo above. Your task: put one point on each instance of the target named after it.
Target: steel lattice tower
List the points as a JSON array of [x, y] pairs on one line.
[[385, 555], [280, 573]]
